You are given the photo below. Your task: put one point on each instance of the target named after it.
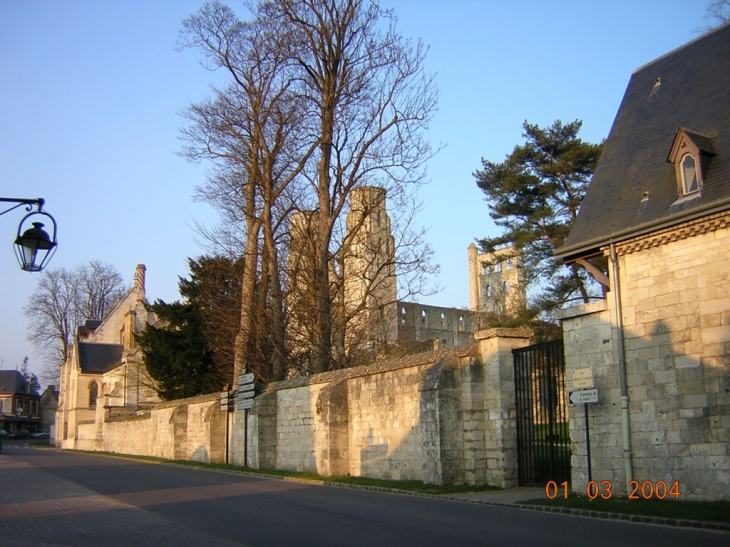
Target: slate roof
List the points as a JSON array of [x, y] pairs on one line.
[[12, 381], [90, 326], [687, 88], [99, 358]]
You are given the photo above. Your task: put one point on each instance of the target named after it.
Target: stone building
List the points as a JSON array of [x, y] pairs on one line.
[[49, 406], [496, 281], [19, 406], [371, 287], [658, 347], [105, 367], [376, 322], [371, 290]]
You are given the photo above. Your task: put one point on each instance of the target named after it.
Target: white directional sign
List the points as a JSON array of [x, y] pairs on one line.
[[245, 395], [245, 404], [584, 396], [583, 378], [245, 378], [245, 387]]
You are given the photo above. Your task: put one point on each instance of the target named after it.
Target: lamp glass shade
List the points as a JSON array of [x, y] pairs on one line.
[[35, 243]]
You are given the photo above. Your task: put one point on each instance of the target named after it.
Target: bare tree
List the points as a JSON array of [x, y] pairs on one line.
[[718, 13], [321, 101], [369, 100], [252, 129], [61, 301]]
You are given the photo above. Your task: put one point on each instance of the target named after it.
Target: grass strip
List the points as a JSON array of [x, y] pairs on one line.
[[707, 511], [404, 485]]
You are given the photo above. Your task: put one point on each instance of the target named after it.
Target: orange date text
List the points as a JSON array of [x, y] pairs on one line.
[[644, 490]]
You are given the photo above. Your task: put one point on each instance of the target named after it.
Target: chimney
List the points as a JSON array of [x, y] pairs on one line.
[[139, 278]]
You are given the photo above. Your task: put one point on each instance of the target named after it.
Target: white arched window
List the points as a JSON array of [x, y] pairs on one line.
[[690, 181]]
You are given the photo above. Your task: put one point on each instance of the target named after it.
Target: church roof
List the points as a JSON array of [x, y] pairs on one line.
[[634, 188], [99, 358]]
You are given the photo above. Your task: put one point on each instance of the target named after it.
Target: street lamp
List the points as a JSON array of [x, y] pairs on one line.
[[33, 246]]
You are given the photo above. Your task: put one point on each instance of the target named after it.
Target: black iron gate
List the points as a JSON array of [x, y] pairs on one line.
[[543, 441]]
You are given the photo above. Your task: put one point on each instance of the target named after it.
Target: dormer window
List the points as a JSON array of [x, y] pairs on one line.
[[690, 154]]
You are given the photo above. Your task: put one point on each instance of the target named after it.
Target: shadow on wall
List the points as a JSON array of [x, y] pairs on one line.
[[679, 405], [434, 434]]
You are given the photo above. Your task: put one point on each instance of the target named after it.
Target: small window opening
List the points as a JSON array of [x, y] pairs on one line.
[[93, 393], [690, 183]]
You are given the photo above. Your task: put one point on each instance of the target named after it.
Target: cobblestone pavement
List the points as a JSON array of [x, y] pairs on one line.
[[40, 509]]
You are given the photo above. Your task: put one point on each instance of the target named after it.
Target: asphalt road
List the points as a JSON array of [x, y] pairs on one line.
[[53, 498]]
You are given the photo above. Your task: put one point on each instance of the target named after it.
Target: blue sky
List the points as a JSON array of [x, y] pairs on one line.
[[91, 90]]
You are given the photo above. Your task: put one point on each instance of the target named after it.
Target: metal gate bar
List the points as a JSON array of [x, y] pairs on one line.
[[543, 443]]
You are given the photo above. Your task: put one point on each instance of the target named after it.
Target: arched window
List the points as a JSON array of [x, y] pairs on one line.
[[93, 394], [689, 174]]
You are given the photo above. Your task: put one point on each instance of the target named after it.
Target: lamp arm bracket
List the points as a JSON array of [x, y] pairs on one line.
[[19, 202]]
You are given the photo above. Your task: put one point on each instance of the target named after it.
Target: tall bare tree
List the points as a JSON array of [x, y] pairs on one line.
[[62, 300], [322, 99], [251, 128], [369, 99]]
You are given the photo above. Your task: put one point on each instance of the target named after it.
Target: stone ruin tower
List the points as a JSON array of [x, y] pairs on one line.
[[496, 281], [371, 287]]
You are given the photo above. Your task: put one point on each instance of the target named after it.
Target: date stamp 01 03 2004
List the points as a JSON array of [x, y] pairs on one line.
[[638, 490]]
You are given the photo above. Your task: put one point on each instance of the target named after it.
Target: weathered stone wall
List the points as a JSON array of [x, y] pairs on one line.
[[446, 416], [187, 429], [417, 322], [675, 289]]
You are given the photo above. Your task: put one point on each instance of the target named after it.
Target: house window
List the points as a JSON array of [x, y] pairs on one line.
[[689, 174], [691, 154], [93, 394]]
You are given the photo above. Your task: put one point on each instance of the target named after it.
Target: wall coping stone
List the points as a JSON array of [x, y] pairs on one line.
[[503, 332], [386, 365], [583, 309], [189, 400]]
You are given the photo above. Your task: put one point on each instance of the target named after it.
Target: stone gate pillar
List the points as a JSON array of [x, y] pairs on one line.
[[495, 348]]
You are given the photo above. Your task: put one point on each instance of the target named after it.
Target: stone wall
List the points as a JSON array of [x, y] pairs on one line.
[[445, 416], [418, 322], [675, 292], [187, 429]]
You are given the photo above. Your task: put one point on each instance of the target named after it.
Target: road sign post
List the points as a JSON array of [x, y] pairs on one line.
[[244, 401], [585, 397]]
